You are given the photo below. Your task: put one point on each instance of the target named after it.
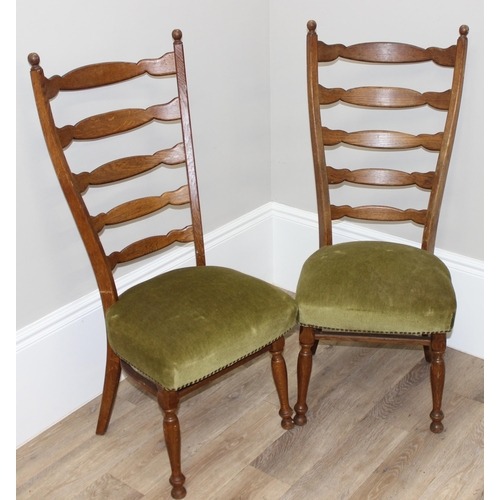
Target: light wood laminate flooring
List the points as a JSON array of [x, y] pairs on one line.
[[367, 436]]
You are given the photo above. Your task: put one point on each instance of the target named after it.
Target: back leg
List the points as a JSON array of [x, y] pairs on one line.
[[111, 381], [427, 353], [314, 347]]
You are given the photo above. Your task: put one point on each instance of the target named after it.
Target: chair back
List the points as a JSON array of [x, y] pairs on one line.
[[83, 188], [326, 140]]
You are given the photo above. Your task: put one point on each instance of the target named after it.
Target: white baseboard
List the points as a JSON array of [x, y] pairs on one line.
[[60, 358]]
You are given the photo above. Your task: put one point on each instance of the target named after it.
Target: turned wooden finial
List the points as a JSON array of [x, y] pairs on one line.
[[177, 35], [34, 60], [311, 25], [464, 30]]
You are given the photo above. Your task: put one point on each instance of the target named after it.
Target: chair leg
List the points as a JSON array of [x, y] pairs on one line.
[[427, 353], [280, 377], [304, 368], [111, 381], [169, 402], [438, 346], [314, 347]]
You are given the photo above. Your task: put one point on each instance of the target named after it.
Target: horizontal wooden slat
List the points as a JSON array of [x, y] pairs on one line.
[[384, 52], [116, 122], [385, 97], [125, 168], [162, 66], [380, 177], [97, 75], [379, 213], [382, 139], [141, 207], [150, 245]]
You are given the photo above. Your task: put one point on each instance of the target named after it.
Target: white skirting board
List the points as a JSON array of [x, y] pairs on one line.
[[60, 358]]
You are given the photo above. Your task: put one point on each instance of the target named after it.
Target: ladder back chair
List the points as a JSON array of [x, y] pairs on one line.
[[375, 291], [183, 328]]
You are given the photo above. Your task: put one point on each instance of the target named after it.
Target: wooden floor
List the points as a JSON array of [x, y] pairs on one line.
[[367, 437]]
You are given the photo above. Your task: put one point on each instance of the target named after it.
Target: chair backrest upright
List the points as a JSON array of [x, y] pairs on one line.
[[110, 124], [388, 98]]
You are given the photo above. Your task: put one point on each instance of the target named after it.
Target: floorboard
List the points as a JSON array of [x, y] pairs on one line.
[[367, 436]]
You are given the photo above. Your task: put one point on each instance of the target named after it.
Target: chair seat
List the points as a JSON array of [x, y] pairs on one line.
[[231, 315], [376, 287]]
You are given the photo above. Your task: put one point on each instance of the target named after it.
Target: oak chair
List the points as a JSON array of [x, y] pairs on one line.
[[373, 291], [185, 327]]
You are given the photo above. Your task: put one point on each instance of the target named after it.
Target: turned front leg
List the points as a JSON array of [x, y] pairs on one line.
[[280, 377], [169, 402], [304, 368], [438, 346]]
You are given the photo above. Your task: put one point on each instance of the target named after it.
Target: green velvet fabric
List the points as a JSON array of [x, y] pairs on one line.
[[376, 287], [184, 325]]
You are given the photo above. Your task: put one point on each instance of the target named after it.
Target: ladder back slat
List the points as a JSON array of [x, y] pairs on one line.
[[385, 97], [162, 66], [150, 245], [98, 75], [125, 168], [378, 213], [438, 140], [380, 177], [116, 122], [139, 208], [129, 204], [385, 52], [382, 139]]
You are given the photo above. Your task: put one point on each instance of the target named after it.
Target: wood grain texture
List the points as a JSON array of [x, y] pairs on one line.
[[117, 122], [382, 139], [353, 447], [139, 208], [386, 52], [60, 440], [149, 245], [380, 177], [422, 459], [380, 213], [252, 484], [124, 168], [97, 75], [385, 97], [109, 488]]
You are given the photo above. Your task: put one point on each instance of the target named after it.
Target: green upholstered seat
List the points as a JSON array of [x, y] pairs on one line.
[[376, 287], [184, 325]]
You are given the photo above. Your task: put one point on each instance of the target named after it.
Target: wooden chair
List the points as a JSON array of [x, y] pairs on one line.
[[186, 327], [374, 291]]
